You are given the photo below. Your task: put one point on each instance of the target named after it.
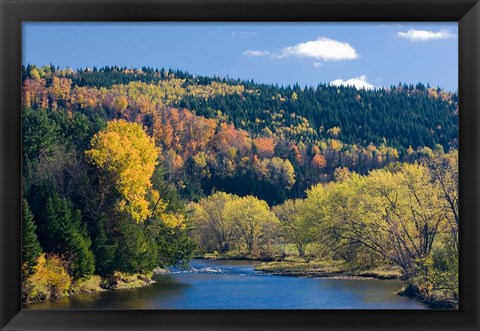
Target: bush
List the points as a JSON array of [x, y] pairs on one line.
[[437, 277], [91, 284], [49, 281]]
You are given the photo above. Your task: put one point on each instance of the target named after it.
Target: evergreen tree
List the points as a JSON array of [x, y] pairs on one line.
[[78, 243], [103, 249], [137, 252], [31, 249], [67, 237]]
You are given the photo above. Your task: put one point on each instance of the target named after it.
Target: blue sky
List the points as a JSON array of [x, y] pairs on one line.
[[361, 54]]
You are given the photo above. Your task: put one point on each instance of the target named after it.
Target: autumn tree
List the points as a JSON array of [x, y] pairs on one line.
[[129, 156], [214, 230], [396, 215], [318, 162], [50, 279], [297, 226], [264, 147], [257, 224], [444, 170], [60, 89]]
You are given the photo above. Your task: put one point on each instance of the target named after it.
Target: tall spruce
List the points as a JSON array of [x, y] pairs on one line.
[[67, 236], [31, 249]]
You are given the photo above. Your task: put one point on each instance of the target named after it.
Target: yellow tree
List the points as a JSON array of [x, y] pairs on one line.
[[212, 225], [297, 227], [257, 224], [397, 215], [129, 156]]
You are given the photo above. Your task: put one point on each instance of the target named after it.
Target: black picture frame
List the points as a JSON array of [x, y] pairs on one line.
[[14, 12]]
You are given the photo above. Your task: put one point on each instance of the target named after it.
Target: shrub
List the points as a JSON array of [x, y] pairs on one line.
[[49, 281], [90, 284]]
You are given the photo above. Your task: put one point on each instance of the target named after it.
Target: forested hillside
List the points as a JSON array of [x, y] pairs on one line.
[[125, 170], [274, 141]]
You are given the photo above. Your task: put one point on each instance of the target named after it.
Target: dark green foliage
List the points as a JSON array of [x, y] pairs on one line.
[[136, 252], [103, 248], [405, 118], [175, 246], [39, 133], [39, 137], [64, 234], [31, 249], [80, 127], [168, 192]]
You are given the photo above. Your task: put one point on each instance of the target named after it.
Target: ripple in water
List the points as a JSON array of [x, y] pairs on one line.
[[237, 270]]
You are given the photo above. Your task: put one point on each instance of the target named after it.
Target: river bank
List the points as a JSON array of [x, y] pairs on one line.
[[434, 300], [331, 269], [94, 284]]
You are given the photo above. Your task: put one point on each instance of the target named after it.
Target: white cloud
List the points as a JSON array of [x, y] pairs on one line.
[[324, 49], [358, 82], [425, 35], [253, 53], [321, 49]]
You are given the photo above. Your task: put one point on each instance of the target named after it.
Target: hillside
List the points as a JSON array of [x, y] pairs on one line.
[[248, 138]]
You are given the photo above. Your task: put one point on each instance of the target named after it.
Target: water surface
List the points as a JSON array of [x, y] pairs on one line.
[[209, 284]]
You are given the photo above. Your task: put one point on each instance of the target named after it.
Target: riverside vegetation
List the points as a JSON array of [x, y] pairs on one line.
[[127, 170]]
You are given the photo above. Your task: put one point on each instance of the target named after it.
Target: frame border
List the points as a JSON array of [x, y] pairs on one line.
[[13, 12]]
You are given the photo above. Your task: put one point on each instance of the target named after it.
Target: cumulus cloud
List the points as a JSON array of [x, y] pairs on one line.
[[254, 53], [425, 35], [358, 82], [322, 49]]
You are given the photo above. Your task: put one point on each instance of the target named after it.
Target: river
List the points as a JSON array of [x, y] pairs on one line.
[[210, 284]]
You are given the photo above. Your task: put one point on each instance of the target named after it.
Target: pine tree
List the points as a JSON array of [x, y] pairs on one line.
[[31, 249], [67, 237], [82, 260], [103, 249], [50, 225]]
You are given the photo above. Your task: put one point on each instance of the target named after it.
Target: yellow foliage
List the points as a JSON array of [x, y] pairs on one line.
[[253, 219], [126, 151], [120, 103], [336, 145], [85, 97], [174, 221], [61, 88], [334, 132], [49, 281], [159, 206], [35, 75]]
